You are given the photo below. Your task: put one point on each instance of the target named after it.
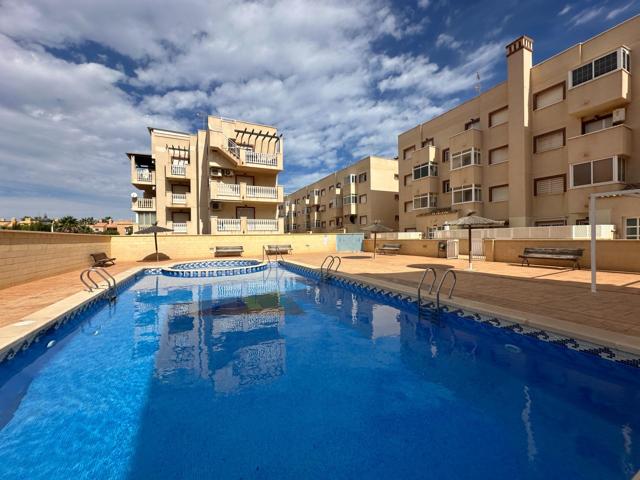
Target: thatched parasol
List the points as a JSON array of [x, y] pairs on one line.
[[375, 228], [473, 221], [155, 229]]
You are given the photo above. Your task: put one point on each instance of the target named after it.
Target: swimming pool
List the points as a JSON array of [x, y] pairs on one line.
[[274, 375]]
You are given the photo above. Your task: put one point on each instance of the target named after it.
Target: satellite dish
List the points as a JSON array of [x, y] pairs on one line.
[[134, 195]]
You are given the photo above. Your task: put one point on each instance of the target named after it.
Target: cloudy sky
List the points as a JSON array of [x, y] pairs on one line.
[[81, 80]]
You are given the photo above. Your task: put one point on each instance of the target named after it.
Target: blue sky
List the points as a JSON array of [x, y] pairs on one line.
[[81, 80]]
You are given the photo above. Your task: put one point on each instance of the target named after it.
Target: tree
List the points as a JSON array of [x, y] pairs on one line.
[[88, 221], [69, 224]]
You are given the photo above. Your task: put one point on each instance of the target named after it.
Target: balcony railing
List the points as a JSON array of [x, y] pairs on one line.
[[180, 227], [144, 203], [179, 170], [228, 189], [258, 158], [254, 191], [228, 224], [262, 225], [144, 175], [179, 198]]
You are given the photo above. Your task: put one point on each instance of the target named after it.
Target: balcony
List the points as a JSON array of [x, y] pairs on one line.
[[143, 204], [178, 200], [221, 191], [246, 226], [601, 144], [245, 157], [426, 154], [181, 227], [349, 208], [603, 93], [143, 176], [178, 172], [465, 140]]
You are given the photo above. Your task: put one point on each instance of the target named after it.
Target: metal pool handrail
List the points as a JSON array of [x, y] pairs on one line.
[[453, 285], [106, 276], [424, 275], [332, 259], [85, 283]]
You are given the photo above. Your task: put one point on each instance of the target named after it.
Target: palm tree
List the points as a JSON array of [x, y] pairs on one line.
[[88, 221]]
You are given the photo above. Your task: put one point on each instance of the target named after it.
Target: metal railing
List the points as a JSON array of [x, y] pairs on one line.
[[331, 259], [233, 148], [262, 224], [228, 225], [91, 284], [453, 285], [424, 275], [256, 191], [448, 272]]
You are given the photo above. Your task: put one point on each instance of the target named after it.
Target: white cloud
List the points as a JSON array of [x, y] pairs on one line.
[[566, 9], [617, 11], [446, 40], [424, 3], [586, 16], [309, 68]]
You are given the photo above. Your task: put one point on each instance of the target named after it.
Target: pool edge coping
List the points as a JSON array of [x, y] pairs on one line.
[[625, 344]]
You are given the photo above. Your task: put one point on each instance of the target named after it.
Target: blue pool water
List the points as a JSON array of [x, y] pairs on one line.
[[272, 375]]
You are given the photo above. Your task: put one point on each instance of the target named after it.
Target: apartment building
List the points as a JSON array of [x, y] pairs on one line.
[[222, 180], [530, 150], [346, 200]]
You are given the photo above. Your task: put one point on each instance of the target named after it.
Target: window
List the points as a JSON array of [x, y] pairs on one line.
[[499, 117], [408, 206], [322, 208], [446, 186], [560, 222], [607, 63], [330, 188], [332, 223], [632, 228], [407, 179], [332, 204], [362, 177], [396, 176], [425, 170], [410, 229], [445, 155], [407, 153], [317, 224], [396, 197], [145, 218], [549, 96], [339, 221], [396, 218], [597, 171], [548, 141], [349, 199], [316, 192], [350, 178], [582, 221], [465, 158], [324, 224], [363, 199], [323, 192], [428, 141], [473, 123], [499, 193], [363, 220], [338, 185], [426, 200], [498, 155], [467, 193], [597, 123], [550, 185]]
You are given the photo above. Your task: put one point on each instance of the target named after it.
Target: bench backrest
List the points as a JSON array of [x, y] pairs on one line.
[[99, 256], [391, 245], [553, 251], [229, 248], [280, 247]]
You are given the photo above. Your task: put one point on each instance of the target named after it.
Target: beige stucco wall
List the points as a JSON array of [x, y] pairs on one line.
[[612, 255], [28, 256], [135, 248]]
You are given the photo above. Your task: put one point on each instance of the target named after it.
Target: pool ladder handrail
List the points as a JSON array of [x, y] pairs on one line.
[[433, 283], [85, 278], [327, 270], [265, 252]]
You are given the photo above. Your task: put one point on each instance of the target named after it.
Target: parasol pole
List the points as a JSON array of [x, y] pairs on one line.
[[155, 239], [375, 237], [470, 251]]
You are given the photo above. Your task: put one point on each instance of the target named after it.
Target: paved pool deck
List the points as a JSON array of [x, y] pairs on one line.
[[554, 294]]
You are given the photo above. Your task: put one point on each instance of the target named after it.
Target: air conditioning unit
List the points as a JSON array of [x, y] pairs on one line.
[[227, 172], [215, 172], [216, 206], [618, 116]]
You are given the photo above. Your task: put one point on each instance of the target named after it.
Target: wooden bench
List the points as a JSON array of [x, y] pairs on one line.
[[389, 248], [570, 254], [227, 250], [268, 249], [101, 260]]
